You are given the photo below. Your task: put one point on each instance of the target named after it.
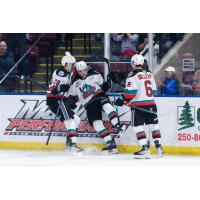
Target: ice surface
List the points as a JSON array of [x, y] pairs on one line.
[[91, 158]]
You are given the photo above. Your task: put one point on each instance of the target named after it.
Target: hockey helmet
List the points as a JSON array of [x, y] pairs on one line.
[[81, 65], [137, 59], [68, 59]]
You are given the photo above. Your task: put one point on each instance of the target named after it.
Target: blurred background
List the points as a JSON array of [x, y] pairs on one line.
[[175, 59]]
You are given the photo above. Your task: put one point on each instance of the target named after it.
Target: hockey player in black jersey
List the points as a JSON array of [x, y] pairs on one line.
[[56, 94], [90, 89]]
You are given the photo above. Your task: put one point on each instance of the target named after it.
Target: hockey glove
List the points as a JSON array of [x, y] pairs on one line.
[[72, 104], [105, 86], [64, 88], [119, 102]]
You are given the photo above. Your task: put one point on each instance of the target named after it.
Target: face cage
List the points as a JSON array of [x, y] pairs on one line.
[[69, 65], [86, 69]]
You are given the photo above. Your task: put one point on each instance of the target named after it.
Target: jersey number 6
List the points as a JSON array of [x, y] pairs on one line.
[[148, 88]]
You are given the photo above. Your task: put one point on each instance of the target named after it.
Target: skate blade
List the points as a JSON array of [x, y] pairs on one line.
[[142, 156], [113, 151], [75, 152], [160, 155]]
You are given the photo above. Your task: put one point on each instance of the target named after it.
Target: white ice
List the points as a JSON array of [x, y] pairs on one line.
[[42, 158]]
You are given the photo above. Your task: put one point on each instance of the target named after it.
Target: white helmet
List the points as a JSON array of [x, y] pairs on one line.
[[137, 60], [67, 59], [81, 65]]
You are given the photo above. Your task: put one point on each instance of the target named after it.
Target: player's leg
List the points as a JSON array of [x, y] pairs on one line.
[[152, 122], [113, 117], [72, 126], [138, 129], [105, 135], [94, 115], [71, 122]]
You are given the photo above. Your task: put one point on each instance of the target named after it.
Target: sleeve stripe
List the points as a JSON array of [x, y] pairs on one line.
[[130, 91], [53, 88], [129, 96]]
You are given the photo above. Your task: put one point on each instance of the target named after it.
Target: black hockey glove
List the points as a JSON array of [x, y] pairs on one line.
[[64, 88], [72, 104], [105, 86], [119, 102]]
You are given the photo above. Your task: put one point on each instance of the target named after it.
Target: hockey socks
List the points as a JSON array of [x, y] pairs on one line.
[[104, 134], [141, 135]]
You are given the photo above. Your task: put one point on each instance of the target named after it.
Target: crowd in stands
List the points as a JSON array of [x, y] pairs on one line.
[[123, 45], [13, 47], [171, 86]]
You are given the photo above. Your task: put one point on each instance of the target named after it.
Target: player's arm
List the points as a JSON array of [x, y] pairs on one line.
[[72, 96], [129, 93], [53, 86], [105, 86]]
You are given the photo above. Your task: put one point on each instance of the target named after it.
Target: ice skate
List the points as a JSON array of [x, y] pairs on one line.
[[110, 147], [159, 148], [144, 153], [73, 148]]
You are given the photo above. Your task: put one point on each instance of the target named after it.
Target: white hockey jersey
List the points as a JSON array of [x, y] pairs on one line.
[[59, 77], [88, 88], [140, 89]]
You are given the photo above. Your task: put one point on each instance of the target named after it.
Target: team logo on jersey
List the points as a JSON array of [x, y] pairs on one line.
[[87, 90], [61, 73]]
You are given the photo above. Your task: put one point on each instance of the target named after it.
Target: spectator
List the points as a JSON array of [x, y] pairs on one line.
[[17, 45], [186, 86], [196, 83], [170, 39], [6, 63], [128, 44], [170, 86], [143, 48]]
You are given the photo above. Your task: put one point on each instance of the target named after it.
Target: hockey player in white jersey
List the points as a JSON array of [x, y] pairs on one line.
[[58, 88], [139, 93], [90, 89]]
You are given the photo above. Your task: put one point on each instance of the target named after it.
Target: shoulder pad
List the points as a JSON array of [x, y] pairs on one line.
[[61, 72], [134, 72], [130, 74]]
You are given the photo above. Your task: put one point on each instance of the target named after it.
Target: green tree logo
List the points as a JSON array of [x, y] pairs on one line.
[[185, 119]]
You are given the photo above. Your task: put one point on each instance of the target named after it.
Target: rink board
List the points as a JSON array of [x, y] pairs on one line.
[[26, 121]]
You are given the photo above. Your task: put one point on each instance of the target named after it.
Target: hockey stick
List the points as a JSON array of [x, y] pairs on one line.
[[62, 107], [141, 109], [109, 79], [32, 80], [54, 121]]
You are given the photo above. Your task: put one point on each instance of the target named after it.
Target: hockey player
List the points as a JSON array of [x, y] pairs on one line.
[[139, 93], [90, 89], [56, 94]]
